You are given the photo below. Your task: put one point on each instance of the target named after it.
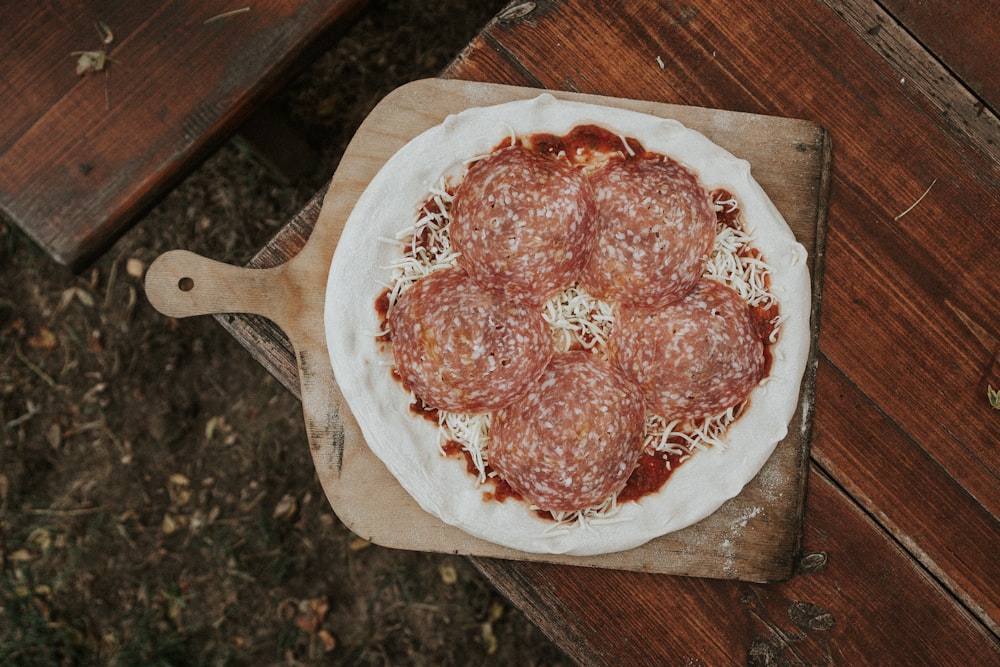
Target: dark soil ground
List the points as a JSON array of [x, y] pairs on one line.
[[158, 505]]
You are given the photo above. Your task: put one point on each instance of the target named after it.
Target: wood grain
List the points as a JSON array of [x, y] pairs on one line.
[[947, 531], [82, 156], [936, 25]]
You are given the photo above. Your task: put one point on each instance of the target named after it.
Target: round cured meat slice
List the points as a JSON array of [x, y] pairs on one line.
[[655, 229], [695, 358], [461, 348], [523, 222], [573, 440]]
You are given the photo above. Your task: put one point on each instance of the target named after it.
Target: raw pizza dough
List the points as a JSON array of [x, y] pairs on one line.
[[408, 444]]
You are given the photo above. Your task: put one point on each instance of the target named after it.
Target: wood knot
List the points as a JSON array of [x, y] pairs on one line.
[[516, 12], [809, 616], [763, 653], [813, 562]]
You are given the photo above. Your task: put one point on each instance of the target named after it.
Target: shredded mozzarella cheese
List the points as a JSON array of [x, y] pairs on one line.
[[577, 317]]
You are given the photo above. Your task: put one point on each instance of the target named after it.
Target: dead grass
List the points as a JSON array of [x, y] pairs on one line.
[[157, 500]]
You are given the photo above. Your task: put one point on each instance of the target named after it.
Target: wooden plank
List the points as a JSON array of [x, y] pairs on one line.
[[80, 157], [972, 57], [859, 600], [37, 41], [948, 532], [893, 286], [918, 75]]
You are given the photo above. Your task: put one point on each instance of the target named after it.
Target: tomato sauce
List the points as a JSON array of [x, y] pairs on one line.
[[382, 309], [421, 409], [728, 214], [651, 474], [581, 144], [501, 490]]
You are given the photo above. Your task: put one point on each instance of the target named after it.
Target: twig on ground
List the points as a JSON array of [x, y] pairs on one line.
[[33, 368]]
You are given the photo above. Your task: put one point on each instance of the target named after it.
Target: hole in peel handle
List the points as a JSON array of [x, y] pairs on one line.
[[180, 283]]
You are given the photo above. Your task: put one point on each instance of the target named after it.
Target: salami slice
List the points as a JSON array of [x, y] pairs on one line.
[[575, 437], [523, 222], [655, 228], [695, 358], [461, 348]]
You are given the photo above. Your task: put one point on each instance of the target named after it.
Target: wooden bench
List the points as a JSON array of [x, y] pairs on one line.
[[160, 85]]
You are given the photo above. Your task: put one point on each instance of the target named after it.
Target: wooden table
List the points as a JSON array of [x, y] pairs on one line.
[[84, 152], [899, 557]]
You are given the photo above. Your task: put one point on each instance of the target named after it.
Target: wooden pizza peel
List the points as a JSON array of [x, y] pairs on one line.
[[753, 537]]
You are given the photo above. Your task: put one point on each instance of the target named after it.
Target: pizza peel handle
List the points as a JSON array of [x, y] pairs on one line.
[[180, 283]]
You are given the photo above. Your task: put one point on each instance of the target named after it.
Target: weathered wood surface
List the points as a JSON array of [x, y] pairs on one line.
[[901, 526], [82, 156], [960, 34]]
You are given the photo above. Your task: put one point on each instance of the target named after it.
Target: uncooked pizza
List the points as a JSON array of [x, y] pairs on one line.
[[568, 328]]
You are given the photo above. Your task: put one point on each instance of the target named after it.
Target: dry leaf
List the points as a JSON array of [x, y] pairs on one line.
[[495, 611], [329, 642], [172, 523], [358, 543], [78, 293], [319, 606], [311, 614], [83, 296], [53, 434], [45, 340], [448, 574], [90, 61], [175, 605], [179, 488], [135, 267], [211, 425], [286, 507], [489, 639], [21, 556], [66, 298], [41, 538]]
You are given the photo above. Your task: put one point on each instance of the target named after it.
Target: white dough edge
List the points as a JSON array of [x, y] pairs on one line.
[[407, 444]]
